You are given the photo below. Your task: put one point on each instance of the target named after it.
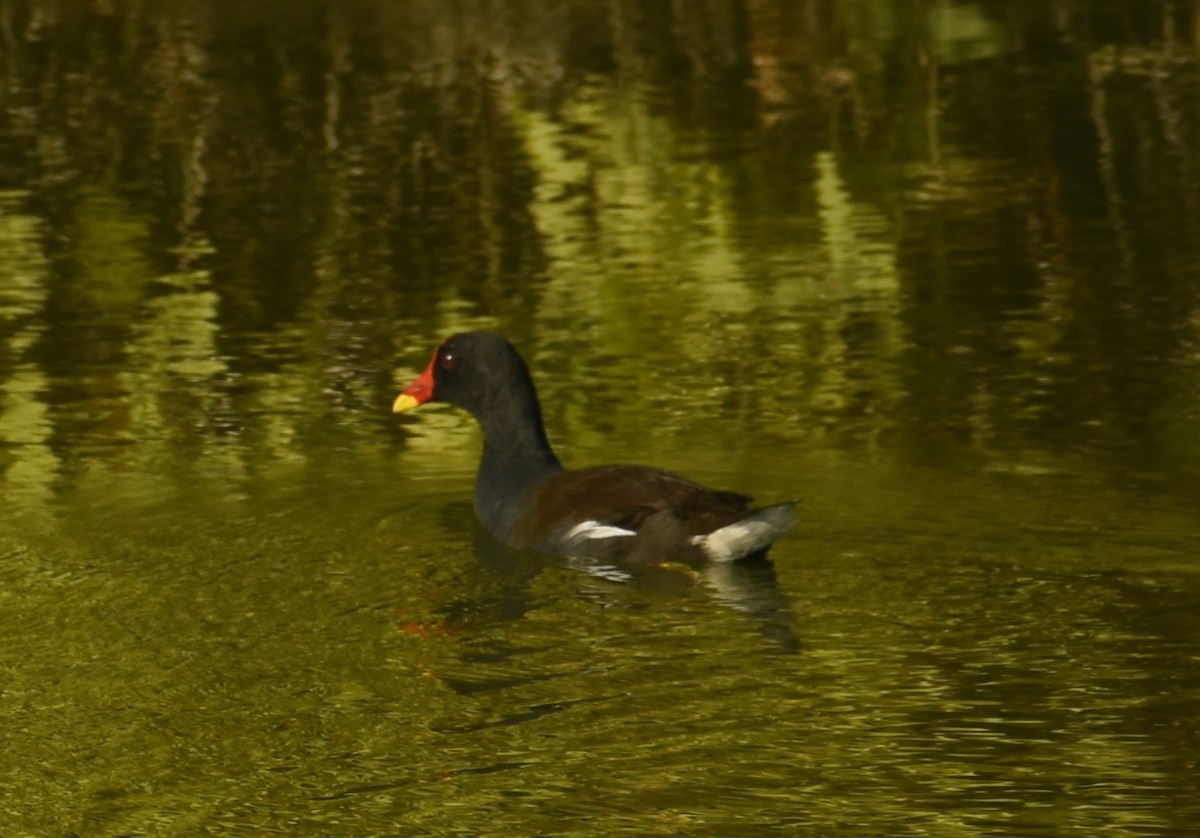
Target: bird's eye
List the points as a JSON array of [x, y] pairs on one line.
[[446, 361]]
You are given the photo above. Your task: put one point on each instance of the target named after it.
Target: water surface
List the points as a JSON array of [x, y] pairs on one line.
[[932, 272]]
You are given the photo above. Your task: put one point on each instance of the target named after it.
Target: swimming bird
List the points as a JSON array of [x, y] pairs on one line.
[[527, 499]]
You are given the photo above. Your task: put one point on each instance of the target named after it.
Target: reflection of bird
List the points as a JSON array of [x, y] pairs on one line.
[[751, 587], [526, 499]]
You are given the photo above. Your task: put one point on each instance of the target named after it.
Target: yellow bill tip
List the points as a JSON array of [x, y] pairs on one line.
[[404, 402]]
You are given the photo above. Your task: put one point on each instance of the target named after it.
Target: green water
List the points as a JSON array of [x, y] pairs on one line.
[[932, 270]]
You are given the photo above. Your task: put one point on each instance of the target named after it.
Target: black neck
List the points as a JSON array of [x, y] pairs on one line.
[[516, 458]]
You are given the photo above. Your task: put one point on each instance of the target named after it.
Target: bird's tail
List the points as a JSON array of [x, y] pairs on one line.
[[752, 534]]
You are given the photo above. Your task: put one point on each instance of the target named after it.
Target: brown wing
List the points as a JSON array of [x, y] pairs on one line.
[[626, 497]]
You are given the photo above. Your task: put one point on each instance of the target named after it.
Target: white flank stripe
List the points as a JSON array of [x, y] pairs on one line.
[[594, 529]]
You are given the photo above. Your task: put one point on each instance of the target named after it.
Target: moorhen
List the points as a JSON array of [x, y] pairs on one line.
[[525, 498]]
